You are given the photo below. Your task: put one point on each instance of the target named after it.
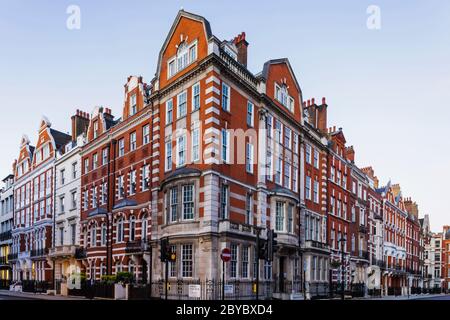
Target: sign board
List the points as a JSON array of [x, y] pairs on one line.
[[229, 289], [194, 291], [225, 255]]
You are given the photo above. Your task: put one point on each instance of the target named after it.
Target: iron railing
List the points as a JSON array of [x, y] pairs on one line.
[[38, 252]]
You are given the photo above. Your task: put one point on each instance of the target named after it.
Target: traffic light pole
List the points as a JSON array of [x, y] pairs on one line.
[[257, 263], [167, 277]]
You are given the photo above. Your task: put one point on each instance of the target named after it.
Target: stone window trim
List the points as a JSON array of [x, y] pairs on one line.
[[179, 183], [287, 201]]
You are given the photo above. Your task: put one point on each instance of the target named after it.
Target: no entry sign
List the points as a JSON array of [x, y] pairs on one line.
[[226, 255]]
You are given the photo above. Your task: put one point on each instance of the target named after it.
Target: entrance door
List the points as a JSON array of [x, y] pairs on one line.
[[282, 274]]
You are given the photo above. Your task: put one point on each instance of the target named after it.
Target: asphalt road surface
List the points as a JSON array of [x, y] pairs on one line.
[[4, 297], [446, 297]]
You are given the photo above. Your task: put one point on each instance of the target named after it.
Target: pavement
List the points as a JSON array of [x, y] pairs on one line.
[[411, 297], [12, 295]]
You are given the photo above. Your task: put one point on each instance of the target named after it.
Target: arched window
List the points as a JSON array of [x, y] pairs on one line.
[[119, 230], [132, 228], [94, 235], [144, 229], [182, 56]]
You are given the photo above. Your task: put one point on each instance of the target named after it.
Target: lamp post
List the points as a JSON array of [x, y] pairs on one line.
[[342, 241]]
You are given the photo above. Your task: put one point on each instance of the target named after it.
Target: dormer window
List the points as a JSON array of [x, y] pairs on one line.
[[282, 95], [186, 54], [133, 106]]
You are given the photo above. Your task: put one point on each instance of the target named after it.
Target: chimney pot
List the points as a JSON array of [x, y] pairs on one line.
[[309, 102], [313, 101], [324, 100]]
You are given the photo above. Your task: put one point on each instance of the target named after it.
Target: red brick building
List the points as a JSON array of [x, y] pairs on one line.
[[115, 187], [413, 245], [34, 204], [316, 250]]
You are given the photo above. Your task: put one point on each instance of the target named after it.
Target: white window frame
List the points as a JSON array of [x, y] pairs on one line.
[[195, 145], [250, 114], [195, 94], [180, 103], [226, 98], [249, 157], [169, 111], [181, 149]]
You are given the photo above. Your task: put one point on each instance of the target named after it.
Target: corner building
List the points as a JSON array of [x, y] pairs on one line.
[[228, 162]]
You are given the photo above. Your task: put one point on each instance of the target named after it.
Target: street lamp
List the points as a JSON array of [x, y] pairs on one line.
[[342, 241]]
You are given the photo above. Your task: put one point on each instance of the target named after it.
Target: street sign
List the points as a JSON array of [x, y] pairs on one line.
[[229, 289], [226, 255], [194, 291]]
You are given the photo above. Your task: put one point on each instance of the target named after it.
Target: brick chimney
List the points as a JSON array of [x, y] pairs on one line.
[[107, 114], [241, 45], [371, 174], [322, 116], [350, 153], [80, 124], [412, 207]]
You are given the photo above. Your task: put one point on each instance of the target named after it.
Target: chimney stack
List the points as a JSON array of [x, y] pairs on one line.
[[349, 153], [241, 45], [80, 123], [322, 116]]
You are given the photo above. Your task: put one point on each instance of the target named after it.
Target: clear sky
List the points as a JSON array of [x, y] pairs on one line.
[[389, 89]]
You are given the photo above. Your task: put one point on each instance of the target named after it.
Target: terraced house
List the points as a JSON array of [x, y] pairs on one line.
[[6, 224], [34, 202]]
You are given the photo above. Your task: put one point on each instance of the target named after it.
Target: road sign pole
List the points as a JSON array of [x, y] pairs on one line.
[[223, 280]]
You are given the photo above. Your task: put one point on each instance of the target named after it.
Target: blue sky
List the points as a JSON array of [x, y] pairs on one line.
[[388, 89]]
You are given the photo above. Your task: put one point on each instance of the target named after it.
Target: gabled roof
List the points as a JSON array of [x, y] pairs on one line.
[[265, 72], [181, 14], [61, 138]]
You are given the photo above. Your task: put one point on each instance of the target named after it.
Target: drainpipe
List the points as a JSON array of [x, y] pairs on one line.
[[111, 203], [54, 224]]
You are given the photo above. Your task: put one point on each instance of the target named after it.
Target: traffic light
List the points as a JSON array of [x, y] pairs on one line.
[[165, 249], [262, 249], [271, 243]]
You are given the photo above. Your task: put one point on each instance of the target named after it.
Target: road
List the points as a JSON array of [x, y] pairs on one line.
[[5, 297], [441, 298]]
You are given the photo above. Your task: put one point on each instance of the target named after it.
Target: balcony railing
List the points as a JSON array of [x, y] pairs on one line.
[[38, 252], [316, 244], [237, 68], [66, 250], [4, 236], [137, 246]]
